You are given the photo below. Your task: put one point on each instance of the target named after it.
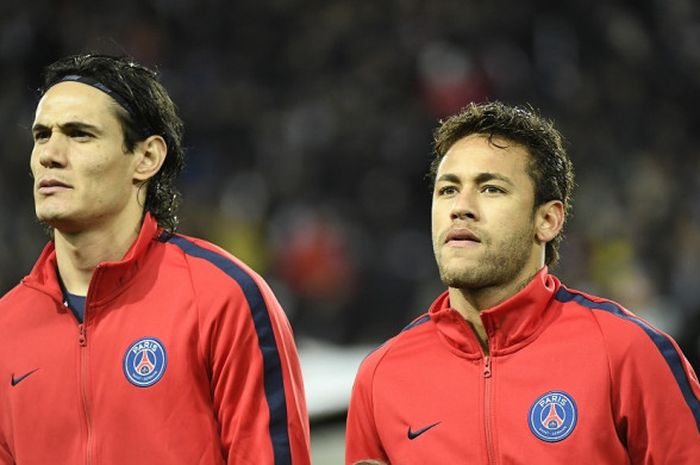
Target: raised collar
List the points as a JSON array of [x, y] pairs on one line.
[[108, 279], [510, 325]]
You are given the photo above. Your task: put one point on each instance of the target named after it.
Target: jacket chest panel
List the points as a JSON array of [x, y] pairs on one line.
[[423, 407], [139, 370], [550, 401]]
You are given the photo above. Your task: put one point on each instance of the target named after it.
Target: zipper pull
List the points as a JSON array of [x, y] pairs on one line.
[[487, 366], [82, 339]]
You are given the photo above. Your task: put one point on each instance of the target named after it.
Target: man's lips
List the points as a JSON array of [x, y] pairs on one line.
[[47, 186], [461, 236]]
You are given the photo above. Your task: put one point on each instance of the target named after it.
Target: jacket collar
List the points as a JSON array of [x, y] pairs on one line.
[[108, 279], [510, 325]]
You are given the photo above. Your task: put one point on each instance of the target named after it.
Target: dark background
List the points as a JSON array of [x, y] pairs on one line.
[[308, 126]]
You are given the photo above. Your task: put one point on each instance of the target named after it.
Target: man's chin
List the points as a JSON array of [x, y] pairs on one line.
[[462, 279], [466, 284], [478, 276], [51, 220], [56, 221]]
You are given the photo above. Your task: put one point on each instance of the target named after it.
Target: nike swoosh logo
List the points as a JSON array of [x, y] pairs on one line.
[[16, 381], [414, 434]]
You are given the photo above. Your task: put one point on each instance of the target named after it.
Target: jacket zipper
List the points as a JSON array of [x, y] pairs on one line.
[[490, 452], [82, 340]]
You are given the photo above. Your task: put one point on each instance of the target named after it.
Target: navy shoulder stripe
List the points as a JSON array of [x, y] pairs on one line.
[[417, 322], [273, 382], [662, 342]]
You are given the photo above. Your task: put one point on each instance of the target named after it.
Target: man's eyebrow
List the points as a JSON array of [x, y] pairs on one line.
[[448, 177], [69, 126], [485, 177], [479, 179], [39, 127]]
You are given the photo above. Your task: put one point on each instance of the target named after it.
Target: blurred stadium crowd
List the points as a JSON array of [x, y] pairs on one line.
[[309, 127]]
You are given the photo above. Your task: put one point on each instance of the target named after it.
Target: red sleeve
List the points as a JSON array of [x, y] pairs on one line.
[[256, 380], [362, 440], [5, 427], [655, 396], [5, 457], [295, 399]]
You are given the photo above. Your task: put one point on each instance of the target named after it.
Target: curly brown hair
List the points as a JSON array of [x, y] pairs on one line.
[[550, 168]]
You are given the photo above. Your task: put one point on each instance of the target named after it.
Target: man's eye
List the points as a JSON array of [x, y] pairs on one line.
[[41, 135], [492, 190], [77, 134], [447, 190]]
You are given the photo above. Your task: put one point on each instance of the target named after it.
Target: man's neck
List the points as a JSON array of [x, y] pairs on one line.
[[471, 302], [78, 254]]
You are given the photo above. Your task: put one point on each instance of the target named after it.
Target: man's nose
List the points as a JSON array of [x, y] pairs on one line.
[[52, 151], [464, 207]]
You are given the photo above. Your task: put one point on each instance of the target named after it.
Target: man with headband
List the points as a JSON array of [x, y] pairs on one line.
[[128, 343]]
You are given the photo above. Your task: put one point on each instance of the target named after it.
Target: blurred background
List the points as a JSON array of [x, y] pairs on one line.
[[309, 129]]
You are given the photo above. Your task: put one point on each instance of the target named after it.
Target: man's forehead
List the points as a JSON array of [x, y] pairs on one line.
[[75, 101], [494, 141], [483, 149]]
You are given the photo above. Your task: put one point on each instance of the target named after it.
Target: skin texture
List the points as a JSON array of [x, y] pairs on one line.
[[488, 238], [86, 186]]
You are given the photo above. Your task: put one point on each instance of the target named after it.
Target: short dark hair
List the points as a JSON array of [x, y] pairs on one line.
[[550, 168], [144, 109]]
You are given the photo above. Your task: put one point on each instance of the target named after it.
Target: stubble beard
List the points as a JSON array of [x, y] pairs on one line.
[[499, 264]]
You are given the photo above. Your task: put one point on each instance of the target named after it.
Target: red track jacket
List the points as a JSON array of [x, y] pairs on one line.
[[184, 357], [571, 379]]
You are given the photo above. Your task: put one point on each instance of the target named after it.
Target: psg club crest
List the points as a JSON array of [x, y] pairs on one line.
[[553, 416], [145, 362]]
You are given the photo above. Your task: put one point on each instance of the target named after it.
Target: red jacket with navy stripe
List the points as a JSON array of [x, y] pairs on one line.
[[184, 357], [570, 379]]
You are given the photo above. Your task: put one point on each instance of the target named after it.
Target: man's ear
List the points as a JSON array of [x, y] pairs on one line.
[[549, 219], [150, 155]]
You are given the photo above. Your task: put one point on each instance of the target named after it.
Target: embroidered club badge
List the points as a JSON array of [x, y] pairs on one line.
[[145, 362], [553, 416]]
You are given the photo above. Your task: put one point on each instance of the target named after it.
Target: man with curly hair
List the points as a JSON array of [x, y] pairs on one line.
[[509, 366], [129, 343]]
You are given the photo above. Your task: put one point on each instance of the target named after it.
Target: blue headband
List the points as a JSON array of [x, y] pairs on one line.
[[98, 85]]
